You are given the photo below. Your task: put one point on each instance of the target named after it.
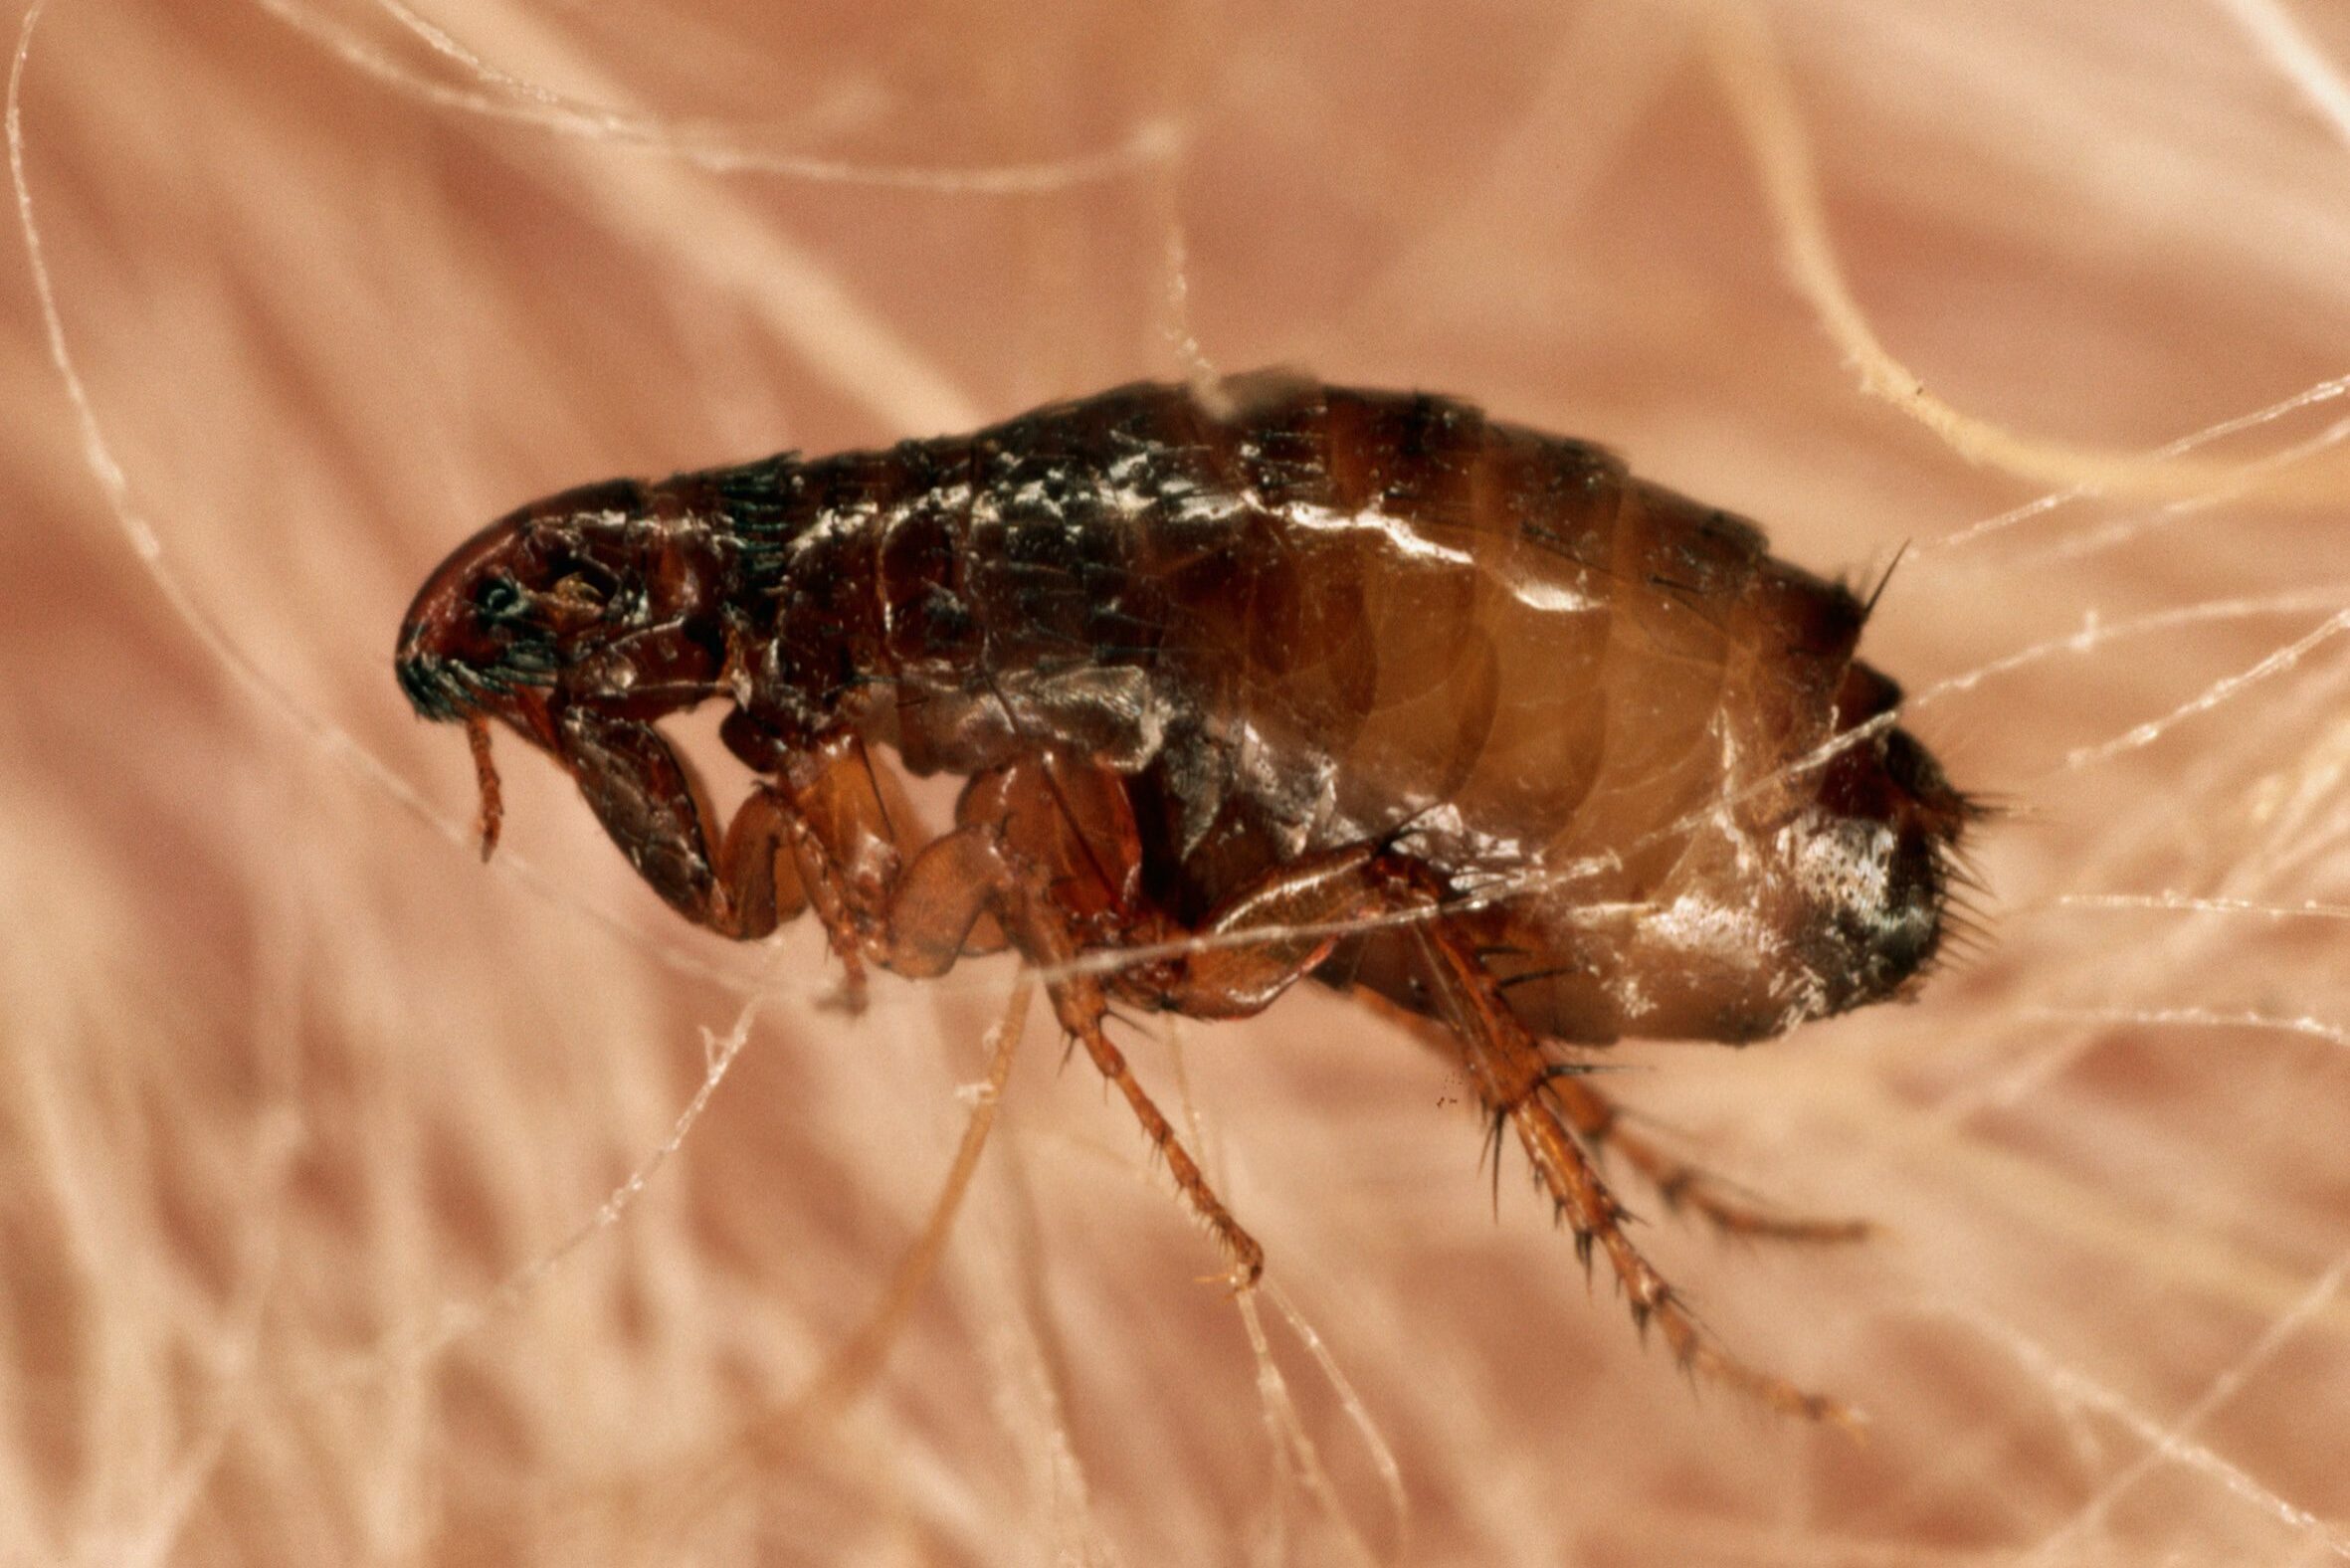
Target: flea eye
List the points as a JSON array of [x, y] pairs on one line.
[[497, 597]]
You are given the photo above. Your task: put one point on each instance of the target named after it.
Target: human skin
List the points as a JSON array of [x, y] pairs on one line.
[[292, 1079]]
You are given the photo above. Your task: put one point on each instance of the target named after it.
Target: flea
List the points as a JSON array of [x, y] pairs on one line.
[[1268, 682]]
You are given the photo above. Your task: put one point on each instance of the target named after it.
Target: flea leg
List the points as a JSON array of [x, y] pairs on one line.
[[652, 808], [824, 844], [648, 805], [833, 818], [848, 818], [971, 872], [1686, 1186], [1303, 910], [757, 872], [1080, 1006], [1512, 1076], [1598, 1121]]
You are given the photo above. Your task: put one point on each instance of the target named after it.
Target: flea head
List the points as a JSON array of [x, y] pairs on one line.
[[590, 597]]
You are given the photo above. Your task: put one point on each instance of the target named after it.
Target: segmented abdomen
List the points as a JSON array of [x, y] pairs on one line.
[[1311, 617]]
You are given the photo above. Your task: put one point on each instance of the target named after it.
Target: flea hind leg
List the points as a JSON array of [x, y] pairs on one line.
[[1599, 1122], [1517, 1082], [1682, 1185]]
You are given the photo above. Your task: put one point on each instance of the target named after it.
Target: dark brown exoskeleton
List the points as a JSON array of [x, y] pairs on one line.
[[1279, 681]]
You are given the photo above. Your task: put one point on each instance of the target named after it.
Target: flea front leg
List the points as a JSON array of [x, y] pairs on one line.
[[652, 808], [769, 859]]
